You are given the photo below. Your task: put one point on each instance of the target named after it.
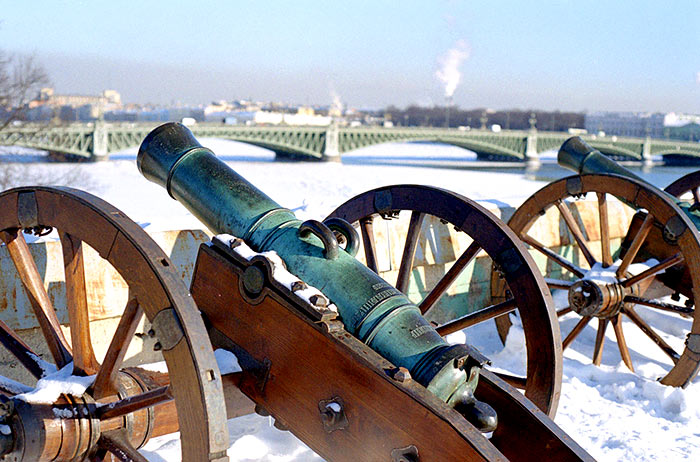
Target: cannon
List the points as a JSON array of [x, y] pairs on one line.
[[632, 271], [336, 355]]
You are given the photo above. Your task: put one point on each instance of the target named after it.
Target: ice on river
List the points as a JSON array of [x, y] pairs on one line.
[[613, 413]]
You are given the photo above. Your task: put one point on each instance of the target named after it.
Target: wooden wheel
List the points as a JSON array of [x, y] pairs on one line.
[[686, 188], [635, 249], [447, 260], [140, 402]]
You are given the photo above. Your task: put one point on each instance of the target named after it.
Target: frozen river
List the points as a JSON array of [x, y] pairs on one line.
[[614, 414]]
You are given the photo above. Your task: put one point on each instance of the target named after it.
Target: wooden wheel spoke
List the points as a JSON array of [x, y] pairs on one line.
[[513, 380], [558, 283], [561, 261], [670, 307], [99, 455], [576, 232], [10, 387], [409, 250], [604, 229], [575, 331], [39, 299], [621, 343], [106, 380], [599, 341], [635, 245], [564, 311], [20, 350], [367, 230], [477, 317], [84, 362], [452, 274], [649, 332], [650, 272], [117, 443], [134, 403]]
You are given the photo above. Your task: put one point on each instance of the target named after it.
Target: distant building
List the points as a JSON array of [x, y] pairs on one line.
[[47, 97], [682, 126], [222, 111], [48, 105], [635, 124], [304, 116]]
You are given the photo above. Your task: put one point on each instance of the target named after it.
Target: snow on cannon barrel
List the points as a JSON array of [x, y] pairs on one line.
[[372, 310]]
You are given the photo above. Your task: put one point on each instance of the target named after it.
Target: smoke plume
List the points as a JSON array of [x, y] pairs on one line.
[[449, 73]]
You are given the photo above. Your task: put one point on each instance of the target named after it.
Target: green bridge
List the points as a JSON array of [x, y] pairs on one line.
[[96, 141]]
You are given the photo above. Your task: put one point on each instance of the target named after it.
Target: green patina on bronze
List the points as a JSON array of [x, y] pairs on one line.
[[371, 309]]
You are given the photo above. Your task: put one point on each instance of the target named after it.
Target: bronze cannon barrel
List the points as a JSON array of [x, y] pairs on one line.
[[371, 309], [577, 155]]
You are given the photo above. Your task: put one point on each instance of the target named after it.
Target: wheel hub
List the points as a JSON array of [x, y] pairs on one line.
[[69, 428], [588, 297]]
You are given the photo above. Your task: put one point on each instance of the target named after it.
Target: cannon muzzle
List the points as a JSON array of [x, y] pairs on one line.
[[371, 309], [575, 154]]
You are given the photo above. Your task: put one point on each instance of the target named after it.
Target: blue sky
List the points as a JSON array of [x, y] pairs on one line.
[[609, 55]]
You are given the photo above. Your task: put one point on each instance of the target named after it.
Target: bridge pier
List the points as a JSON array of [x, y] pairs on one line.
[[100, 141], [646, 152], [331, 151], [532, 157]]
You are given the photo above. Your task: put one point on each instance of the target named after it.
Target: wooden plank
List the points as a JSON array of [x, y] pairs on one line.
[[527, 434]]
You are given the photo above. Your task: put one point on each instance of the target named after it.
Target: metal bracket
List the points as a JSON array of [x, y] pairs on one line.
[[167, 327], [693, 343], [330, 322], [574, 186], [509, 260], [673, 229], [27, 211], [476, 358], [407, 454], [382, 201], [333, 414]]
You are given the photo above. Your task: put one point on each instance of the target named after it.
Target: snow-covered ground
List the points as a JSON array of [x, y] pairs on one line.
[[613, 413]]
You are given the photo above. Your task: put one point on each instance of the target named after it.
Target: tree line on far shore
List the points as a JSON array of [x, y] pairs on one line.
[[514, 119]]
